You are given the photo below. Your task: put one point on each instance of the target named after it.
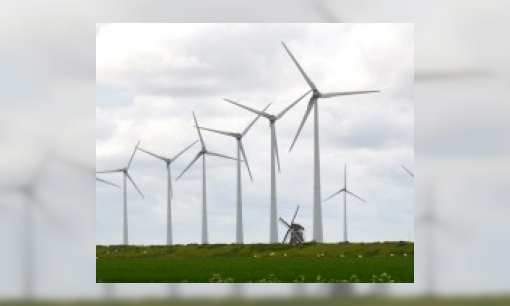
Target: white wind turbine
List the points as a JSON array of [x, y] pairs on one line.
[[125, 172], [273, 225], [240, 150], [169, 161], [345, 191], [313, 103], [203, 152]]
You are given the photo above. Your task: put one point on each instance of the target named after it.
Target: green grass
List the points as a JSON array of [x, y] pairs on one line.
[[198, 263]]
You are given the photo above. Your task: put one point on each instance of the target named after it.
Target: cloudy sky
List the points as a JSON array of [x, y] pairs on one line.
[[150, 77]]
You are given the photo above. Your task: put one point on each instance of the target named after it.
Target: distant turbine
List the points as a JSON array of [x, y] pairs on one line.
[[240, 150], [273, 223], [345, 191], [125, 172], [203, 152], [317, 209], [408, 171], [169, 161]]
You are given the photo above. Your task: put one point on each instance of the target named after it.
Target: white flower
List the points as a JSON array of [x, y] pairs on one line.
[[360, 255], [405, 254], [284, 255], [392, 255]]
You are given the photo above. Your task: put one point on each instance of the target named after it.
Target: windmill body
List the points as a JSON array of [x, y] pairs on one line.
[[295, 231], [345, 191], [202, 154], [275, 159], [240, 151], [168, 162], [126, 176], [313, 103]]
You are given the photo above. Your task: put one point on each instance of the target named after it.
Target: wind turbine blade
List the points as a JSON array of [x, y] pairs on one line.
[[310, 83], [220, 155], [219, 132], [335, 194], [134, 184], [133, 155], [155, 155], [182, 152], [254, 120], [355, 196], [248, 108], [110, 171], [246, 160], [189, 166], [275, 138], [295, 214], [198, 130], [282, 113], [347, 93], [106, 182], [307, 113], [408, 171]]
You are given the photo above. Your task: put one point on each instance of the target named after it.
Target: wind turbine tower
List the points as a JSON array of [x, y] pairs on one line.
[[126, 176], [240, 150], [345, 191], [169, 161], [203, 152]]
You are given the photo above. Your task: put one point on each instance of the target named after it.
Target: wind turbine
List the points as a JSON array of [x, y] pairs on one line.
[[345, 191], [408, 171], [240, 150], [168, 162], [273, 229], [203, 152], [125, 172], [317, 209]]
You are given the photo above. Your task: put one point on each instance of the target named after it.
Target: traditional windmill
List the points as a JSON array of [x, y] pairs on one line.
[[295, 230]]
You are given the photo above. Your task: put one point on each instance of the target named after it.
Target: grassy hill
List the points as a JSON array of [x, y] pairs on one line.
[[349, 262]]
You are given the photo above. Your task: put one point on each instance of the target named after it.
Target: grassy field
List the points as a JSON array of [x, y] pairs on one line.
[[256, 263]]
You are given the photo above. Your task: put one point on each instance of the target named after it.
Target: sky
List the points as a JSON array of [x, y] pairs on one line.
[[150, 77]]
